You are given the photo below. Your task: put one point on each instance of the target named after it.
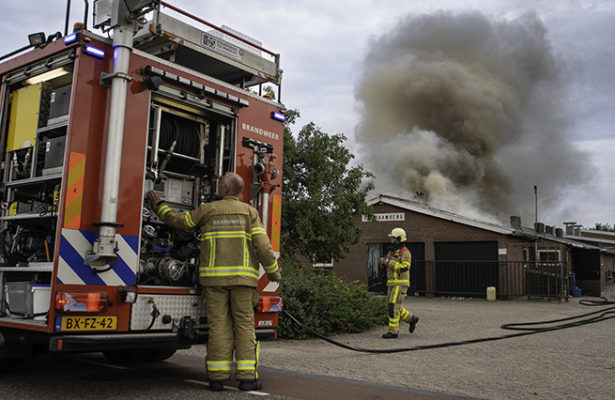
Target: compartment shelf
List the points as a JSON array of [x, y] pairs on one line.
[[30, 267], [32, 181], [52, 127], [28, 216]]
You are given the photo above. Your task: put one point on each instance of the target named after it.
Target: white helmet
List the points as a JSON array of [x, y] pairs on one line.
[[399, 234]]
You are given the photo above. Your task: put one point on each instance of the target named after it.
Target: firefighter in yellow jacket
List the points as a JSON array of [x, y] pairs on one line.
[[233, 243], [397, 265]]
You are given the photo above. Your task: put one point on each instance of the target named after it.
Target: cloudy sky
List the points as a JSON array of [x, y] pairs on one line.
[[331, 52]]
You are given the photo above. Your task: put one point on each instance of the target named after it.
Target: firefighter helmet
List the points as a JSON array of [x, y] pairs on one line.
[[399, 234]]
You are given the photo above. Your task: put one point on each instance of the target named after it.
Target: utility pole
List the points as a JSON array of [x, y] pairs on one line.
[[536, 225]]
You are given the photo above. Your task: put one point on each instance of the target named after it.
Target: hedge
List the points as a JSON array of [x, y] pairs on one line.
[[326, 303]]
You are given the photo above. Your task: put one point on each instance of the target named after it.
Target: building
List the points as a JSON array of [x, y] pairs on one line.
[[455, 255], [590, 274]]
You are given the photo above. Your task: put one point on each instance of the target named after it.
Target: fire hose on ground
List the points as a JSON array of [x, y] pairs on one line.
[[524, 328]]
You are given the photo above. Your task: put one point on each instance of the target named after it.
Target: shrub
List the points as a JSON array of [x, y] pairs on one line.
[[326, 303]]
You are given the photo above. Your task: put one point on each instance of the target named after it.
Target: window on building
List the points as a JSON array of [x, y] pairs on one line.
[[548, 255], [323, 264]]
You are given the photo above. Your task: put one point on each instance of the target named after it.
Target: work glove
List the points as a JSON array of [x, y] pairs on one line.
[[154, 200]]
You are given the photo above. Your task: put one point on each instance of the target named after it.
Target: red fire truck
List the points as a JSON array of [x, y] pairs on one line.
[[91, 121]]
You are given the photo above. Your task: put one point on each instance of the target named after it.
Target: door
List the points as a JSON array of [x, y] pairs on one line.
[[376, 277], [586, 267]]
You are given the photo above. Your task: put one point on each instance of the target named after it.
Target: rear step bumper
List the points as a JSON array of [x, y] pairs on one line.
[[95, 343], [87, 343]]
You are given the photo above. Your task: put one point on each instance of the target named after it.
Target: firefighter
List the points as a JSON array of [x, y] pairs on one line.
[[234, 241], [397, 265]]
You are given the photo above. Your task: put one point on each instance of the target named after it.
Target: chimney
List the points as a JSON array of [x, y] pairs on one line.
[[577, 230], [559, 232], [515, 222], [570, 227], [539, 227], [549, 229]]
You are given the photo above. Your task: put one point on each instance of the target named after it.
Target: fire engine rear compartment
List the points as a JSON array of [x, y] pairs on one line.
[[177, 142]]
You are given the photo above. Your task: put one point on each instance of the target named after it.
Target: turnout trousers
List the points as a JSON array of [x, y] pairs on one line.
[[395, 298], [230, 314]]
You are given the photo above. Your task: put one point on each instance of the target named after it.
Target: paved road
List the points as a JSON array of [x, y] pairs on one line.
[[90, 376], [575, 363]]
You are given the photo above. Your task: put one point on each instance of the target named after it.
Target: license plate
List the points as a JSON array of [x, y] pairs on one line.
[[90, 323]]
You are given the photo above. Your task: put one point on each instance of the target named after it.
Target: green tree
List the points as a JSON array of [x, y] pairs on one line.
[[321, 192], [604, 227]]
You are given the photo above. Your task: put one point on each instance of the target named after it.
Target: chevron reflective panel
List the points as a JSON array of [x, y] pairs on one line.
[[76, 244]]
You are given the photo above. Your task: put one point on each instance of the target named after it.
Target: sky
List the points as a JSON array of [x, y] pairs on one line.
[[329, 50]]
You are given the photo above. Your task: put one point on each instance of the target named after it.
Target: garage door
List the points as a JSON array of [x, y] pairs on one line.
[[465, 268]]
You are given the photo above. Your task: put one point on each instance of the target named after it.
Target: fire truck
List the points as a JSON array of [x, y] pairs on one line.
[[92, 120]]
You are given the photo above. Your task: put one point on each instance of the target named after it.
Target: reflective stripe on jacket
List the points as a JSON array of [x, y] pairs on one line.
[[399, 260], [233, 241]]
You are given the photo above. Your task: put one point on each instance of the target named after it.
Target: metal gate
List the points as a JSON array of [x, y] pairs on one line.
[[465, 268], [546, 274], [546, 279]]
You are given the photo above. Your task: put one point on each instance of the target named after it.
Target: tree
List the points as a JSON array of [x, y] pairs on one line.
[[604, 227], [321, 193]]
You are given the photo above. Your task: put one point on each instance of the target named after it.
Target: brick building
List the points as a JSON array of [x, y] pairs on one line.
[[455, 255]]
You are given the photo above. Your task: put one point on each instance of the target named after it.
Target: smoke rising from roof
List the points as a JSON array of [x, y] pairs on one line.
[[470, 112]]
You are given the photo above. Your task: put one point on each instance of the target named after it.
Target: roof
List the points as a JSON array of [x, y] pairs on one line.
[[594, 233], [526, 233], [590, 239], [417, 207]]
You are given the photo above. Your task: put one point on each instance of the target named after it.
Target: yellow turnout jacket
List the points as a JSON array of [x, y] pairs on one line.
[[398, 267], [233, 241]]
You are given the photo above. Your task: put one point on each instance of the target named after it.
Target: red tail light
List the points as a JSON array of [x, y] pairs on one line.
[[269, 304], [91, 302]]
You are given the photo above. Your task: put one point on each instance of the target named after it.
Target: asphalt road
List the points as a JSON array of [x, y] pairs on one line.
[[573, 363], [91, 376]]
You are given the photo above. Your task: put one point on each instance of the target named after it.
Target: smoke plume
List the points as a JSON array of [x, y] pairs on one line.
[[470, 113]]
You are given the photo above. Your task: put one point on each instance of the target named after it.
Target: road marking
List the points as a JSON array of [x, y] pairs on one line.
[[255, 392]]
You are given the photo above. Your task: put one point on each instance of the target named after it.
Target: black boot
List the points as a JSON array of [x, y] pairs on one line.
[[256, 384], [389, 336], [216, 386], [413, 322]]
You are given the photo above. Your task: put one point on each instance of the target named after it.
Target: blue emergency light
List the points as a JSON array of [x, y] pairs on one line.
[[278, 116], [94, 51], [72, 38]]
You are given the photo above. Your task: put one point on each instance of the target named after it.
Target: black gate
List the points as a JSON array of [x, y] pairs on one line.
[[466, 268], [417, 270]]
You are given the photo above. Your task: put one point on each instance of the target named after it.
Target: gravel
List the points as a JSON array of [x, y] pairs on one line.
[[574, 363]]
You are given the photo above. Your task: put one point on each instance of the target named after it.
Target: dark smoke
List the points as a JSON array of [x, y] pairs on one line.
[[469, 112]]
